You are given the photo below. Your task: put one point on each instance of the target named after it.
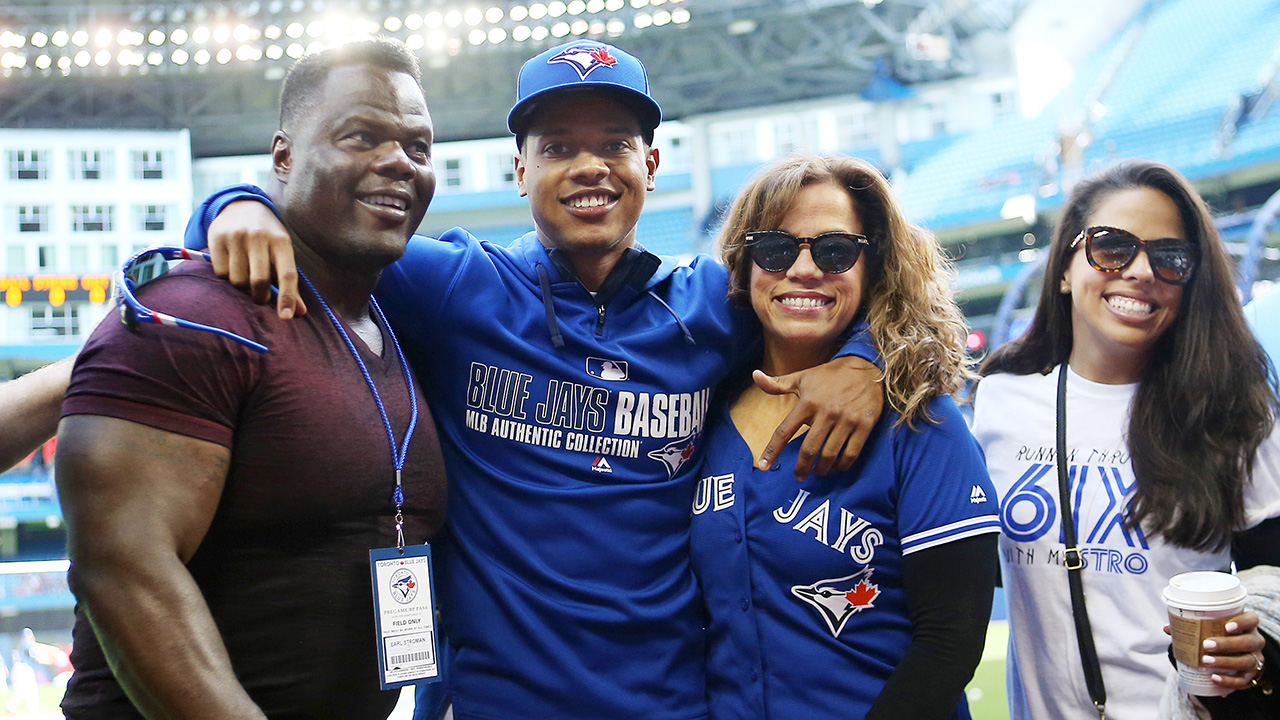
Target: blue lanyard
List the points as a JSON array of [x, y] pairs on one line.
[[397, 456]]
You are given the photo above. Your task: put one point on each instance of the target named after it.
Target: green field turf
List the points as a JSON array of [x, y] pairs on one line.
[[987, 691]]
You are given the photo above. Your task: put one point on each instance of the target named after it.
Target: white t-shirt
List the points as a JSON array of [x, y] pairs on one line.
[[1125, 571]]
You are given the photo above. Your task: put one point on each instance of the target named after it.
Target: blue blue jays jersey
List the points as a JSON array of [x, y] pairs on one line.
[[803, 581]]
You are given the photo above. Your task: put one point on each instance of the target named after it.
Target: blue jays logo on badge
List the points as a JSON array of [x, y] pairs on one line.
[[603, 369], [404, 586], [584, 60], [673, 454], [840, 599]]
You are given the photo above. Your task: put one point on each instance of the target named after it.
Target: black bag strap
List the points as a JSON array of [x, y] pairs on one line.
[[1084, 633]]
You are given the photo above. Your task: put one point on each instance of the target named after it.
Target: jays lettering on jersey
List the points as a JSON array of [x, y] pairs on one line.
[[803, 581], [1125, 569]]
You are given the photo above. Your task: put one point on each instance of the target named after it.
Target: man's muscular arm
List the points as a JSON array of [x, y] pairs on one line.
[[29, 409], [138, 501]]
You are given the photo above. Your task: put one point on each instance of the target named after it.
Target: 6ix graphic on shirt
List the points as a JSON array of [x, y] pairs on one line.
[[1099, 493], [584, 417]]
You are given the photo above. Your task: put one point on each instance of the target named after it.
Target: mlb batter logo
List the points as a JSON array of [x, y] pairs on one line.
[[604, 369], [584, 59], [404, 586], [840, 599]]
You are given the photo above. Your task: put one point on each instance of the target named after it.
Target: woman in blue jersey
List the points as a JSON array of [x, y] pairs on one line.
[[864, 593], [1166, 403]]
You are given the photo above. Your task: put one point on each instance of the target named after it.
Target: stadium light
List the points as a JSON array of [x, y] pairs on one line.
[[254, 31]]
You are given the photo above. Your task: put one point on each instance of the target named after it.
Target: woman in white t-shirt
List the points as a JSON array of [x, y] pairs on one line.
[[1169, 406]]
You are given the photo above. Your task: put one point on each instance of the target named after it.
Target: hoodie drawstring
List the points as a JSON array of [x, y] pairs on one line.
[[688, 336], [545, 281]]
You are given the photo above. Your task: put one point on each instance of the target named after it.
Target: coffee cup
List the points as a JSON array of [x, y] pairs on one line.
[[1199, 605]]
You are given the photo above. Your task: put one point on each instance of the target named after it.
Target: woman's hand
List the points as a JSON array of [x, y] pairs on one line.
[[1238, 652]]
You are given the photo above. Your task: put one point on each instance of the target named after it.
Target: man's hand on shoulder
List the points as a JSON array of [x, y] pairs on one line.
[[249, 247], [840, 401]]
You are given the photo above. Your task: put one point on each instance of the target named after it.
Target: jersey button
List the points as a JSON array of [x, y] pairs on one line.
[[754, 675], [737, 535], [746, 604]]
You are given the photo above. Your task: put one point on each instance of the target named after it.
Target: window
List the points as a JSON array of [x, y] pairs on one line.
[[453, 172], [148, 165], [91, 218], [734, 145], [504, 170], [28, 165], [47, 257], [1003, 104], [151, 217], [49, 321], [854, 130], [91, 164], [78, 258], [109, 256], [16, 258], [792, 134], [936, 116], [33, 218]]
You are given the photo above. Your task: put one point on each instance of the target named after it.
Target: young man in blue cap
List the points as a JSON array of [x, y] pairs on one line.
[[570, 374]]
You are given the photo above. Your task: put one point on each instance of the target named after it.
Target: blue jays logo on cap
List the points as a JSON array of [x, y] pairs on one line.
[[584, 59], [583, 65]]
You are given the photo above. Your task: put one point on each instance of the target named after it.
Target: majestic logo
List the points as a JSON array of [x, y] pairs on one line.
[[601, 465], [838, 600], [607, 369], [673, 454], [584, 59], [404, 586], [977, 496]]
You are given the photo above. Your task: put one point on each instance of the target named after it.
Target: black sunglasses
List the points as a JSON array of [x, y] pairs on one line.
[[1111, 249], [833, 252]]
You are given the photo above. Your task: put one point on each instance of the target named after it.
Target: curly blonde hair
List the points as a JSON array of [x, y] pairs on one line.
[[915, 323]]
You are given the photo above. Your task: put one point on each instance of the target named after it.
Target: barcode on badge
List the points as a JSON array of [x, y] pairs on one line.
[[410, 657]]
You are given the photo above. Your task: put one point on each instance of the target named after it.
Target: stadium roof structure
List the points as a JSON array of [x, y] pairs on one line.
[[215, 66]]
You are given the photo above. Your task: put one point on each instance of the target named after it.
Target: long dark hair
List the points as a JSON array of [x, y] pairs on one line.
[[1207, 398]]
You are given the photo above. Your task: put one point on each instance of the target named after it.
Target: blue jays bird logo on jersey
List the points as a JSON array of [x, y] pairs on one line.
[[584, 59], [673, 454], [838, 600]]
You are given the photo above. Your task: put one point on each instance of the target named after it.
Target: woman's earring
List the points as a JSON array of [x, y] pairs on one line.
[[1064, 288]]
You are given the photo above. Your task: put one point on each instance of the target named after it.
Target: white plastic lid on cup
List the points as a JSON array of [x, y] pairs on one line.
[[1204, 591]]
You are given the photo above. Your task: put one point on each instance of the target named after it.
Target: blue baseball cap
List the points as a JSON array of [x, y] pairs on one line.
[[583, 65]]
